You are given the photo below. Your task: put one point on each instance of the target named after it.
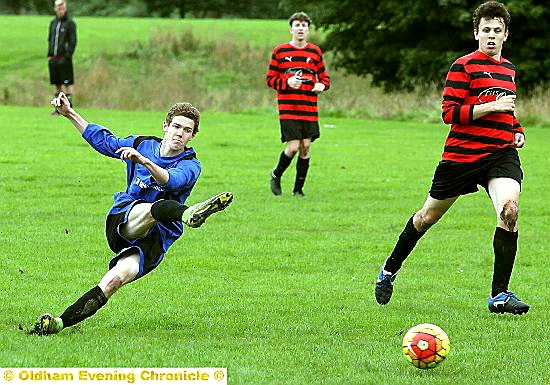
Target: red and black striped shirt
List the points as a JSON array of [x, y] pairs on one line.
[[476, 79], [287, 60]]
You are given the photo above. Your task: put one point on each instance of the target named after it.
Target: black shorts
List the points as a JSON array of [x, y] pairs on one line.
[[299, 129], [149, 247], [452, 179], [61, 71]]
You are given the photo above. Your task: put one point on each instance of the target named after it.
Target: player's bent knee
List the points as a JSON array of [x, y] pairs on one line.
[[509, 215], [111, 286], [128, 272], [117, 277], [429, 219], [291, 151]]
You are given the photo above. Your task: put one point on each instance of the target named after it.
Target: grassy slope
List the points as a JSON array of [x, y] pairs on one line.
[[27, 45], [119, 60], [277, 290]]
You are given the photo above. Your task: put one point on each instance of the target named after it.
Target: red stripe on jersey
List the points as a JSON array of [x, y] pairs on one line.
[[465, 114], [283, 116]]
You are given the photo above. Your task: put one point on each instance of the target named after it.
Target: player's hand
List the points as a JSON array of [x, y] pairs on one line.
[[130, 153], [505, 104], [519, 140], [295, 81], [61, 103], [318, 88]]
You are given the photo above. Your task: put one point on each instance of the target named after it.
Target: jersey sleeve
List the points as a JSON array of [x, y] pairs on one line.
[[274, 78], [517, 127], [184, 175], [322, 73], [457, 86], [104, 141]]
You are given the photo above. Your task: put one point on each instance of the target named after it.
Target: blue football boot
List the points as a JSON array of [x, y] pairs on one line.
[[507, 302], [384, 286]]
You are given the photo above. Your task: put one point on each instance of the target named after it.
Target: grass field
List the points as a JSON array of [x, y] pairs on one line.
[[278, 290]]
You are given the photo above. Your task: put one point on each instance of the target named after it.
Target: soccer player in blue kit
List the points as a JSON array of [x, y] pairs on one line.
[[147, 218]]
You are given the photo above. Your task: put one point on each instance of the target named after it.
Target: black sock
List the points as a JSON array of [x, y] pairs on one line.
[[84, 307], [167, 211], [302, 165], [505, 246], [284, 162], [404, 246]]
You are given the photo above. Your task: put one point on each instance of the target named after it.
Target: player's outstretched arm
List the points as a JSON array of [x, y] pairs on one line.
[[63, 106]]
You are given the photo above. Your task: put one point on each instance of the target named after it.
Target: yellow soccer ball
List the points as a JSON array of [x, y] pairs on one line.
[[425, 346]]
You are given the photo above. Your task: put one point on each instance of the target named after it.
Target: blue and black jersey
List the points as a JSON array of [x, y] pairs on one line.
[[183, 169]]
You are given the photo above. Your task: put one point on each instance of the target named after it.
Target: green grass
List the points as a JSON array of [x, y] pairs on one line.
[[278, 290]]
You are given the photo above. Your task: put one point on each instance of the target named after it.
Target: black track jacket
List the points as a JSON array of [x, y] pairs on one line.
[[62, 37]]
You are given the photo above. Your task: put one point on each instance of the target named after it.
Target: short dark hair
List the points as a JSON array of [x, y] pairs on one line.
[[491, 10], [187, 110], [300, 16]]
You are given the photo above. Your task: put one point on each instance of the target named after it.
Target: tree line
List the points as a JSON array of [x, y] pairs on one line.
[[399, 43], [406, 43]]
